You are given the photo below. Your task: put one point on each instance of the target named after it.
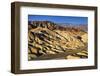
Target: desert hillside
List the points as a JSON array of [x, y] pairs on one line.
[[48, 40]]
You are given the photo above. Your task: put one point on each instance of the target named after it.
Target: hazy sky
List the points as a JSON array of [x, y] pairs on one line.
[[59, 19]]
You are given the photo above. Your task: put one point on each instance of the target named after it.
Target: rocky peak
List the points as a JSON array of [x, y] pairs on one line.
[[44, 24]]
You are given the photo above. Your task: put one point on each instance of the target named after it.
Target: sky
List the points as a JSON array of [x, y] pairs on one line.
[[59, 19]]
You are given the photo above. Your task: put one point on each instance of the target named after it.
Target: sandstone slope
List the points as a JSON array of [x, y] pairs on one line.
[[47, 40]]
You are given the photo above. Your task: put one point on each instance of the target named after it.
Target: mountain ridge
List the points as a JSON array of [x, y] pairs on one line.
[[46, 37], [50, 24]]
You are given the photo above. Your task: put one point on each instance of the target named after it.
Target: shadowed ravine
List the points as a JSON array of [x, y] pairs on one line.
[[48, 40]]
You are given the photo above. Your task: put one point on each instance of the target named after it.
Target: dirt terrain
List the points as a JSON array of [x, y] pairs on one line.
[[48, 40]]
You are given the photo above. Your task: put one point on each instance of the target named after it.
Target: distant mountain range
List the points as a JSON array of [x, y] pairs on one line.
[[71, 24], [83, 27]]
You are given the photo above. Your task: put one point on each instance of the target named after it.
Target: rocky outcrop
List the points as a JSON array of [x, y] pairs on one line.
[[46, 38]]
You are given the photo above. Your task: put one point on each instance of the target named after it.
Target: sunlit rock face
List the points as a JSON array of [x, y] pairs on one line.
[[47, 38]]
